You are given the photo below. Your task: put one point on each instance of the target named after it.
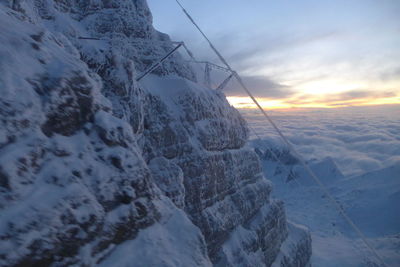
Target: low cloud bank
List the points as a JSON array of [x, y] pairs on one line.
[[358, 139]]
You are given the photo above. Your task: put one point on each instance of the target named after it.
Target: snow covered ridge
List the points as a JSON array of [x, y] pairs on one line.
[[96, 169], [371, 200]]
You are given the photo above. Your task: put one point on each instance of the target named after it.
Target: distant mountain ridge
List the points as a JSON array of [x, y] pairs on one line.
[[371, 200]]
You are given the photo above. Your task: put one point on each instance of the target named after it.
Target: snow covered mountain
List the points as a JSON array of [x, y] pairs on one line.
[[371, 200], [96, 169]]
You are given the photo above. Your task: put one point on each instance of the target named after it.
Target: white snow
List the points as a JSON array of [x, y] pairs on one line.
[[358, 139], [334, 243], [348, 140], [172, 242], [372, 200]]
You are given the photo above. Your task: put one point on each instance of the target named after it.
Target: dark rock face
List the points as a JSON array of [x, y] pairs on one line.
[[89, 159], [67, 164], [225, 194], [69, 104], [169, 178]]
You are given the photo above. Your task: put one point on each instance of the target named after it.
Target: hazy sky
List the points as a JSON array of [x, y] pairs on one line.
[[298, 52]]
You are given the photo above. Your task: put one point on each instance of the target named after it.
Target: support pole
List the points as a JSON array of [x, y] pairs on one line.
[[158, 63], [207, 77], [224, 83]]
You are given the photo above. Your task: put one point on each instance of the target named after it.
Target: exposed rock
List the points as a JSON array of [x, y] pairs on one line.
[[226, 195], [87, 154], [169, 178], [72, 175], [296, 249]]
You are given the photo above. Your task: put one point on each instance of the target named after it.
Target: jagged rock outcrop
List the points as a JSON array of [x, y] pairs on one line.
[[225, 194], [74, 183], [97, 169]]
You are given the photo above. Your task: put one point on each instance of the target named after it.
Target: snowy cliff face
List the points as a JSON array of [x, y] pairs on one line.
[[224, 191], [97, 169]]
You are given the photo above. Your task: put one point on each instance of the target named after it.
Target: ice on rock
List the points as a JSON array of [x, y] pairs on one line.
[[96, 169]]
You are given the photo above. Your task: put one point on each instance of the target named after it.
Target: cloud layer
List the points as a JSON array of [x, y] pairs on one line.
[[346, 51], [358, 139]]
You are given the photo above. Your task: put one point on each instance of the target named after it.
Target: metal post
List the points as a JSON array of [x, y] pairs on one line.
[[207, 78], [224, 83], [158, 63]]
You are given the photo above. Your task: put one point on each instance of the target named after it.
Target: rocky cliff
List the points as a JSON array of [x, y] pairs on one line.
[[96, 169]]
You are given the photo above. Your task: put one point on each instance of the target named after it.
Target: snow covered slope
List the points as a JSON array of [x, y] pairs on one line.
[[96, 169], [73, 181], [325, 168], [371, 200]]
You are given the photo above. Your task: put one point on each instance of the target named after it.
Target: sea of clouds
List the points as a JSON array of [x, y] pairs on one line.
[[358, 139]]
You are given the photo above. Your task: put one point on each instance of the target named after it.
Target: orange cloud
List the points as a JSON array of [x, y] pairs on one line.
[[313, 101]]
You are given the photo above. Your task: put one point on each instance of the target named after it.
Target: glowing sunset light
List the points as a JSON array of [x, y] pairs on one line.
[[322, 93], [328, 86], [329, 54], [246, 102]]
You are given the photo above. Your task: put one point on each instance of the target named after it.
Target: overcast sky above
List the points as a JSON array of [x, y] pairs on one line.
[[307, 53]]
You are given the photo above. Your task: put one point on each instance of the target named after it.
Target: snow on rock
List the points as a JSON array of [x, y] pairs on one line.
[[225, 194], [96, 168], [72, 177], [169, 178], [295, 250], [163, 244], [326, 169], [257, 241], [371, 200]]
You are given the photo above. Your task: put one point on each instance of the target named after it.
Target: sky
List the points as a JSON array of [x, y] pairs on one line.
[[291, 53]]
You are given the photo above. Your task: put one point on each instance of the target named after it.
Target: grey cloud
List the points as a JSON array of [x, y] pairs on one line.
[[243, 50], [360, 94], [259, 86], [282, 42], [391, 74], [340, 99]]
